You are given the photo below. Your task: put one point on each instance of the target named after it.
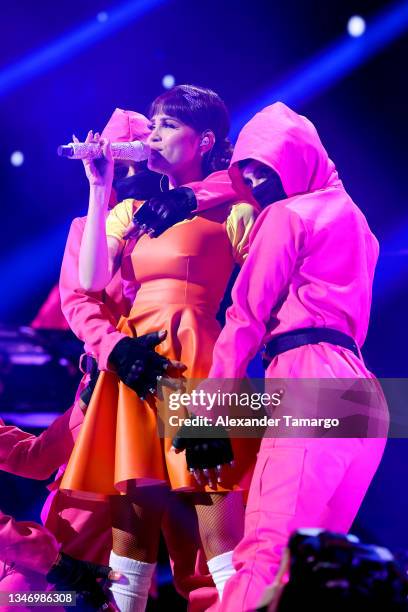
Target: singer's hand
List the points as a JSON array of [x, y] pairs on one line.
[[99, 171]]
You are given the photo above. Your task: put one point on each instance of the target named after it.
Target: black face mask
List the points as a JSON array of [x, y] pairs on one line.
[[271, 190]]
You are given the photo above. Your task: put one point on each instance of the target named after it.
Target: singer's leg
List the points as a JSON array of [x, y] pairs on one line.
[[136, 520], [221, 523]]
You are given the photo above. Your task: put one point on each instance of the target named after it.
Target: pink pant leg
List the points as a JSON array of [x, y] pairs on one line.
[[350, 493], [81, 526], [298, 482]]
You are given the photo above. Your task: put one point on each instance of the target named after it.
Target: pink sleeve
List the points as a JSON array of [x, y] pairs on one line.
[[274, 245], [87, 315], [27, 544], [214, 190], [38, 457]]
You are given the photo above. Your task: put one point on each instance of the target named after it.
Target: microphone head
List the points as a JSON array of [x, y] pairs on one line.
[[65, 151]]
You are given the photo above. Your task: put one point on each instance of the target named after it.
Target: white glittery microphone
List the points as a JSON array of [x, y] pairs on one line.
[[133, 151]]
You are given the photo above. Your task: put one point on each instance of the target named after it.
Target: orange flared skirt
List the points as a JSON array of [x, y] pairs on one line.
[[119, 440]]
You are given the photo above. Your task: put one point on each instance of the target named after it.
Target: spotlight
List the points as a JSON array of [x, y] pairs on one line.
[[17, 158], [102, 17], [168, 81], [356, 26]]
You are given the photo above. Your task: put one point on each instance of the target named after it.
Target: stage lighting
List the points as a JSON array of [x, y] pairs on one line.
[[356, 26], [17, 158], [102, 16], [168, 81], [71, 43], [329, 65]]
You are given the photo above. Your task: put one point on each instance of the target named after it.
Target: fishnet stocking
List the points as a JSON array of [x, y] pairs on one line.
[[136, 520], [220, 520]]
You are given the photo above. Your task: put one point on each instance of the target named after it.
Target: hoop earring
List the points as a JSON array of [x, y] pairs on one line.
[[161, 183]]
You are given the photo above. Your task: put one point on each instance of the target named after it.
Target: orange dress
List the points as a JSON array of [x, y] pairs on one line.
[[181, 278]]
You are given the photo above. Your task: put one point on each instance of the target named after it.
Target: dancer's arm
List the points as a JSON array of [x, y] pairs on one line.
[[31, 456], [162, 211], [214, 190], [89, 317]]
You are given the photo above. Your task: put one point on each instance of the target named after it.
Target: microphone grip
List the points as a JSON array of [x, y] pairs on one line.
[[132, 151]]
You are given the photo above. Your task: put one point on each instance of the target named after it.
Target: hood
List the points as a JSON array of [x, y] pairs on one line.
[[126, 126], [290, 145]]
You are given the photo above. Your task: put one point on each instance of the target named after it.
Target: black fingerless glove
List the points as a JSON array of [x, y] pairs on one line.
[[137, 363], [202, 453], [69, 574], [164, 210]]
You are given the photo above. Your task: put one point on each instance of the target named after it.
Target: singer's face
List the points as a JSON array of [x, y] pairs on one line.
[[174, 146]]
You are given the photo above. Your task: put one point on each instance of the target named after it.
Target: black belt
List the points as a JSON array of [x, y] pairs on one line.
[[307, 335]]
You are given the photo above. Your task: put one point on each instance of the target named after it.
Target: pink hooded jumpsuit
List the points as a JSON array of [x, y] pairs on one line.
[[311, 264]]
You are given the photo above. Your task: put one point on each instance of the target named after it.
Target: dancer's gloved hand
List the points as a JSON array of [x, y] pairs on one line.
[[161, 212], [69, 574], [141, 368], [205, 456]]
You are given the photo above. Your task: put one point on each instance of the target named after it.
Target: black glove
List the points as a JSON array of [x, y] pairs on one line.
[[164, 210], [137, 363], [69, 574], [140, 186], [203, 453]]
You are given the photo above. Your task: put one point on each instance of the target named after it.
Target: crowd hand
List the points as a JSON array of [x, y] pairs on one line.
[[99, 171], [88, 580], [207, 458], [142, 369], [161, 212]]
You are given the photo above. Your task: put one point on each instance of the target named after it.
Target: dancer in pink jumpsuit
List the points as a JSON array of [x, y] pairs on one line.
[[28, 550], [310, 265]]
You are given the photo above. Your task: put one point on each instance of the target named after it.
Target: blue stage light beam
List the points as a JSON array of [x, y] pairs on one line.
[[73, 43], [330, 65]]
